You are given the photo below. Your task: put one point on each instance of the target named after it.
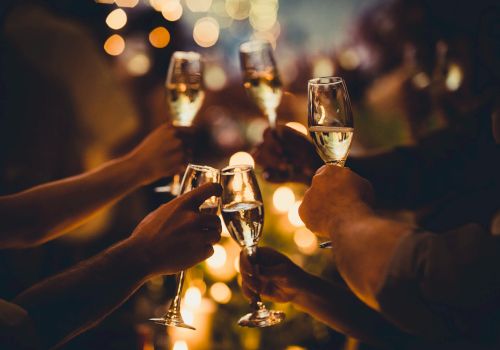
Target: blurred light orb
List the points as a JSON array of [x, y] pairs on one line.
[[242, 158], [139, 64], [116, 19], [187, 315], [221, 293], [171, 10], [255, 130], [218, 259], [305, 240], [206, 31], [114, 45], [237, 263], [421, 80], [215, 77], [199, 5], [127, 3], [323, 67], [238, 9], [454, 77], [263, 14], [192, 297], [105, 1], [159, 37], [181, 344], [293, 215], [297, 127], [349, 59], [295, 347], [283, 199]]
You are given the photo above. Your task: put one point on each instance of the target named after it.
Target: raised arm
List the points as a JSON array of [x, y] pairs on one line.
[[170, 239], [46, 211]]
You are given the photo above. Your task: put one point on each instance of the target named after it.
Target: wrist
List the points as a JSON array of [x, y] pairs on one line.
[[137, 168], [132, 253], [355, 215]]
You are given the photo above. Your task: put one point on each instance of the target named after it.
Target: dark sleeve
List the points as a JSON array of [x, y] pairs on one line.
[[443, 163], [435, 281]]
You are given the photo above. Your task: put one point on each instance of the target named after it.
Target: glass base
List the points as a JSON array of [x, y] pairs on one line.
[[262, 318], [172, 322]]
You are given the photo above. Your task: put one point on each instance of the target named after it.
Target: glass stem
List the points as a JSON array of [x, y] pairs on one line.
[[176, 303], [256, 303]]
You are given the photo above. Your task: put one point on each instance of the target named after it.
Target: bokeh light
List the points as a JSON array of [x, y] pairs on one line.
[[180, 345], [126, 3], [255, 130], [221, 293], [305, 240], [421, 80], [237, 263], [293, 215], [171, 10], [114, 45], [323, 67], [283, 199], [116, 19], [242, 158], [206, 31], [454, 77], [192, 297], [215, 77], [159, 37], [218, 259], [238, 9], [199, 5], [297, 127], [263, 14], [349, 59], [139, 64]]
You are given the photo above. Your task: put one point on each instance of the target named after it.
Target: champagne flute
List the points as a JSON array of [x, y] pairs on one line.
[[261, 78], [185, 95], [330, 121], [195, 176], [243, 214]]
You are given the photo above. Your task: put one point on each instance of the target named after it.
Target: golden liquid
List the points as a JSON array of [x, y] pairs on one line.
[[244, 221], [332, 143], [265, 89], [184, 102]]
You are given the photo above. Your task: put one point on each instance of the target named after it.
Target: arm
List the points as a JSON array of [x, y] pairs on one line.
[[45, 212], [280, 280], [170, 239]]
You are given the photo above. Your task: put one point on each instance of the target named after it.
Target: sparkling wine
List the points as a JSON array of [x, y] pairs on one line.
[[264, 88], [209, 208], [332, 143], [244, 221], [184, 101]]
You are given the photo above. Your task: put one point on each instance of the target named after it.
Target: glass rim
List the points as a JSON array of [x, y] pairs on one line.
[[331, 80], [254, 45], [204, 168], [187, 55], [230, 170]]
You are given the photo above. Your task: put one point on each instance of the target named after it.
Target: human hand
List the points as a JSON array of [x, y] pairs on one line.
[[337, 196], [287, 155], [159, 155], [176, 235], [271, 275]]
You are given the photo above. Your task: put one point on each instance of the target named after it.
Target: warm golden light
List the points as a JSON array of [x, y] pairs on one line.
[[215, 78], [206, 31], [237, 263], [199, 5], [114, 45], [454, 77], [293, 215], [116, 19], [138, 64], [242, 158], [323, 67], [180, 345], [349, 59], [238, 9], [297, 127], [305, 240], [187, 315], [421, 80], [192, 297], [221, 293], [218, 259], [159, 37], [263, 14], [283, 199], [171, 10], [127, 3]]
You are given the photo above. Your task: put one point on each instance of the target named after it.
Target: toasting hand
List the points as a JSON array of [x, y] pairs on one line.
[[287, 155]]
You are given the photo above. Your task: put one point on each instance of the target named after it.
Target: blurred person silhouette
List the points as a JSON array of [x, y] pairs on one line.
[[170, 239]]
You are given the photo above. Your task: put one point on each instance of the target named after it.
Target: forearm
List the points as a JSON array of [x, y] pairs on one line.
[[47, 211], [67, 304], [363, 247], [336, 306]]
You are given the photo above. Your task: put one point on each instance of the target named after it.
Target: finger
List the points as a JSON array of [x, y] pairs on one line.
[[275, 272], [209, 221], [193, 199], [211, 236], [321, 170]]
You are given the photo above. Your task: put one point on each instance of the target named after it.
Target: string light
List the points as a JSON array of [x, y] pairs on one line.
[[323, 67], [215, 78], [293, 215], [180, 345], [218, 259], [238, 9], [242, 158], [139, 64], [159, 37], [221, 293], [192, 297], [199, 5], [127, 3], [283, 199], [114, 45], [305, 240], [171, 10], [206, 31], [116, 19]]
